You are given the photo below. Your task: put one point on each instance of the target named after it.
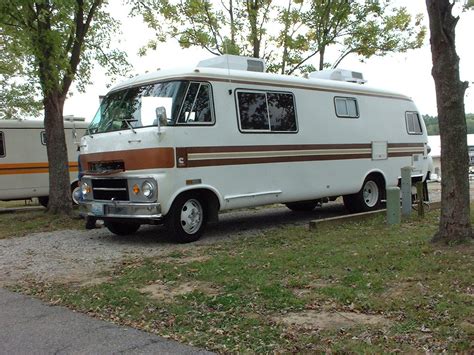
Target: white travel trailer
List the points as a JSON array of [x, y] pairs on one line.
[[178, 146], [23, 160]]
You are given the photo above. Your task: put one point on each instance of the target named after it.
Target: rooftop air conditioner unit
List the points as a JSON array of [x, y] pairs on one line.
[[339, 75], [234, 62]]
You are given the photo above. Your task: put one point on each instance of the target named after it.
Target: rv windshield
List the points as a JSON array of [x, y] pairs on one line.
[[135, 107]]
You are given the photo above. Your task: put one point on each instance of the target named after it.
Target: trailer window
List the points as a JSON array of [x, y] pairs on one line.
[[2, 145], [266, 112], [346, 107], [196, 107], [43, 137], [413, 123]]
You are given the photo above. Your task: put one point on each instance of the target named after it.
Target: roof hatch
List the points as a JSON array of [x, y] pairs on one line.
[[339, 75], [234, 62]]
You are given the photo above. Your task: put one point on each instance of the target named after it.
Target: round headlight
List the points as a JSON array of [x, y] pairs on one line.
[[147, 189], [85, 189]]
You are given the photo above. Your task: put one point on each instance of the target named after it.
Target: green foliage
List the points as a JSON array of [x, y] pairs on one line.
[[301, 29], [432, 126], [48, 44]]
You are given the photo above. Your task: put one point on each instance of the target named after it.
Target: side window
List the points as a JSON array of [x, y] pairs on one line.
[[43, 137], [412, 120], [266, 112], [2, 145], [346, 107], [197, 107], [253, 111]]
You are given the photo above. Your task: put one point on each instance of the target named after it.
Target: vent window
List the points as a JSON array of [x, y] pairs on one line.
[[2, 145], [196, 108], [413, 123], [346, 107]]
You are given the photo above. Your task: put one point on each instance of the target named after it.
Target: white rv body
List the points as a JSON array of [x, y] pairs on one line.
[[24, 171], [324, 154]]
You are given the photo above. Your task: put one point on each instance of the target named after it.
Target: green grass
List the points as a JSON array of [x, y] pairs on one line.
[[19, 224], [423, 291]]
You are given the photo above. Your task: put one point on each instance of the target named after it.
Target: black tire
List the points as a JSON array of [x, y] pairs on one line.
[[369, 198], [43, 201], [303, 206], [187, 218], [122, 228]]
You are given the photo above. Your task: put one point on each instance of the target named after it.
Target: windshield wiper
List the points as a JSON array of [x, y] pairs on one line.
[[127, 121]]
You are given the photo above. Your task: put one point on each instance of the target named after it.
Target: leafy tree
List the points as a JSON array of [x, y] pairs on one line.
[[365, 28], [17, 98], [432, 126], [233, 27], [51, 42], [303, 28], [455, 223]]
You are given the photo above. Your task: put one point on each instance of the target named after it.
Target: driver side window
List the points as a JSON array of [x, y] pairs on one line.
[[197, 107]]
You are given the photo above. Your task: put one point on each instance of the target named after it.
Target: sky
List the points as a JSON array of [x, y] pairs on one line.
[[408, 73]]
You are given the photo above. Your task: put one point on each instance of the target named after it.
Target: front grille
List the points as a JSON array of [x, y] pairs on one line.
[[106, 166], [110, 189]]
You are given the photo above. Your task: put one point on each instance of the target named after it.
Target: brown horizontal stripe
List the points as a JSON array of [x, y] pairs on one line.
[[402, 154], [243, 161], [273, 148], [30, 168], [401, 145], [136, 159]]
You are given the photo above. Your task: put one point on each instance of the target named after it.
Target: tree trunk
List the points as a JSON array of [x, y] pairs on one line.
[[454, 225], [60, 201], [322, 51]]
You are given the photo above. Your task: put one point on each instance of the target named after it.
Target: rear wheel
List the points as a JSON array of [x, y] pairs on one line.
[[122, 228], [187, 218], [369, 198], [302, 206]]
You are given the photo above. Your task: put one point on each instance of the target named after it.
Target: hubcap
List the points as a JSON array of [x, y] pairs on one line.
[[371, 193], [191, 216]]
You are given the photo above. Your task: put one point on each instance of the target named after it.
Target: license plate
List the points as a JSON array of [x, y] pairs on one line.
[[97, 209]]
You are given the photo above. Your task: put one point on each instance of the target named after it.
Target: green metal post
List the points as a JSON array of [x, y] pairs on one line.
[[406, 190], [393, 205]]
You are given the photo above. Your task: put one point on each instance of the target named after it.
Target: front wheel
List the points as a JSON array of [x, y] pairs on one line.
[[122, 228], [187, 218], [369, 198]]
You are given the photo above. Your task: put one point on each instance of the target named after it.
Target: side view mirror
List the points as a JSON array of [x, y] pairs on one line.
[[161, 118]]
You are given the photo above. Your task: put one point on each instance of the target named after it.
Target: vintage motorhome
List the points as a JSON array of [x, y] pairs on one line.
[[23, 160], [179, 146]]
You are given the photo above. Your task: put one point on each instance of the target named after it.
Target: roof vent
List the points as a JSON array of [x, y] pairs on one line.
[[234, 62], [339, 75]]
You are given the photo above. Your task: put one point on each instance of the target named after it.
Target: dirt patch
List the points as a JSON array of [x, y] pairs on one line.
[[404, 289], [161, 291], [330, 320]]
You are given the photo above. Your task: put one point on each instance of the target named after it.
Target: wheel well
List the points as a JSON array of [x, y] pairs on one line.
[[211, 202]]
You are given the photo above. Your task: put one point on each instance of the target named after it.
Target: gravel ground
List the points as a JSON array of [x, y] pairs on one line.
[[81, 255]]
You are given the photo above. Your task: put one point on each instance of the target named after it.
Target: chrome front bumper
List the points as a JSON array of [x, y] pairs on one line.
[[121, 209]]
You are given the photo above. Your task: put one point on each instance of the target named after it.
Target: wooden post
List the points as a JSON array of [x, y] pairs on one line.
[[419, 192]]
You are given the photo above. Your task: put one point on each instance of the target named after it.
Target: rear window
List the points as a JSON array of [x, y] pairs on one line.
[[2, 145], [412, 120]]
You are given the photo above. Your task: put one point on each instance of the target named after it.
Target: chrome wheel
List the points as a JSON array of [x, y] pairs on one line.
[[191, 216], [371, 193]]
